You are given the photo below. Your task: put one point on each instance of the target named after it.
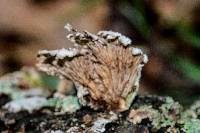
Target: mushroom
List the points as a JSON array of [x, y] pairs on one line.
[[104, 67]]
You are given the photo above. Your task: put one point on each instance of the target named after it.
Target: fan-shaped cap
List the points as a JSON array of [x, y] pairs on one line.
[[105, 68]]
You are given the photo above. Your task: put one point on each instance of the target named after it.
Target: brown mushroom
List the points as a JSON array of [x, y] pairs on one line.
[[105, 68]]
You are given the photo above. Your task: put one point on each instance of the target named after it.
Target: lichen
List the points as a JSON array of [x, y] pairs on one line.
[[26, 78], [144, 112], [25, 104], [103, 67], [190, 118], [68, 104], [196, 108], [100, 122], [165, 116], [192, 126], [24, 83]]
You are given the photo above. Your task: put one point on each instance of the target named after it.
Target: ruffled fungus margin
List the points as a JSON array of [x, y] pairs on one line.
[[105, 68]]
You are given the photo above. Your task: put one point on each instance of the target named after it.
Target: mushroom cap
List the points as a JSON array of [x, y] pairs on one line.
[[105, 68]]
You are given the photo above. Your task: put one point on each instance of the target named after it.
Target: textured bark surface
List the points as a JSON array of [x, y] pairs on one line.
[[44, 120]]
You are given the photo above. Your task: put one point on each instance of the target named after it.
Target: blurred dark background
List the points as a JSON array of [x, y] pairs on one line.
[[167, 30]]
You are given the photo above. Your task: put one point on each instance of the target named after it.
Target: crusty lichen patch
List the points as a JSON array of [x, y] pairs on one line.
[[25, 83], [166, 116], [105, 68]]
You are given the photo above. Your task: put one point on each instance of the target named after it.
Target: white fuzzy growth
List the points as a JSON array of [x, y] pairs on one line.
[[71, 37], [43, 52], [136, 51], [125, 40], [112, 35], [145, 58], [61, 53], [28, 104], [68, 27], [109, 34]]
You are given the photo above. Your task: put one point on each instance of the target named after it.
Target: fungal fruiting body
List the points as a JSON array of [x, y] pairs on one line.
[[104, 67]]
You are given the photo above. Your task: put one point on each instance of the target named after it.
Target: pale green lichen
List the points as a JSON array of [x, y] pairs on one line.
[[190, 118], [25, 104], [169, 114], [192, 113], [196, 108], [24, 83], [68, 104], [169, 117], [144, 112], [165, 116], [192, 126]]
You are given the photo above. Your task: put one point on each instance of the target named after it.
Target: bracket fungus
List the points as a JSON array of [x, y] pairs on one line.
[[104, 67]]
